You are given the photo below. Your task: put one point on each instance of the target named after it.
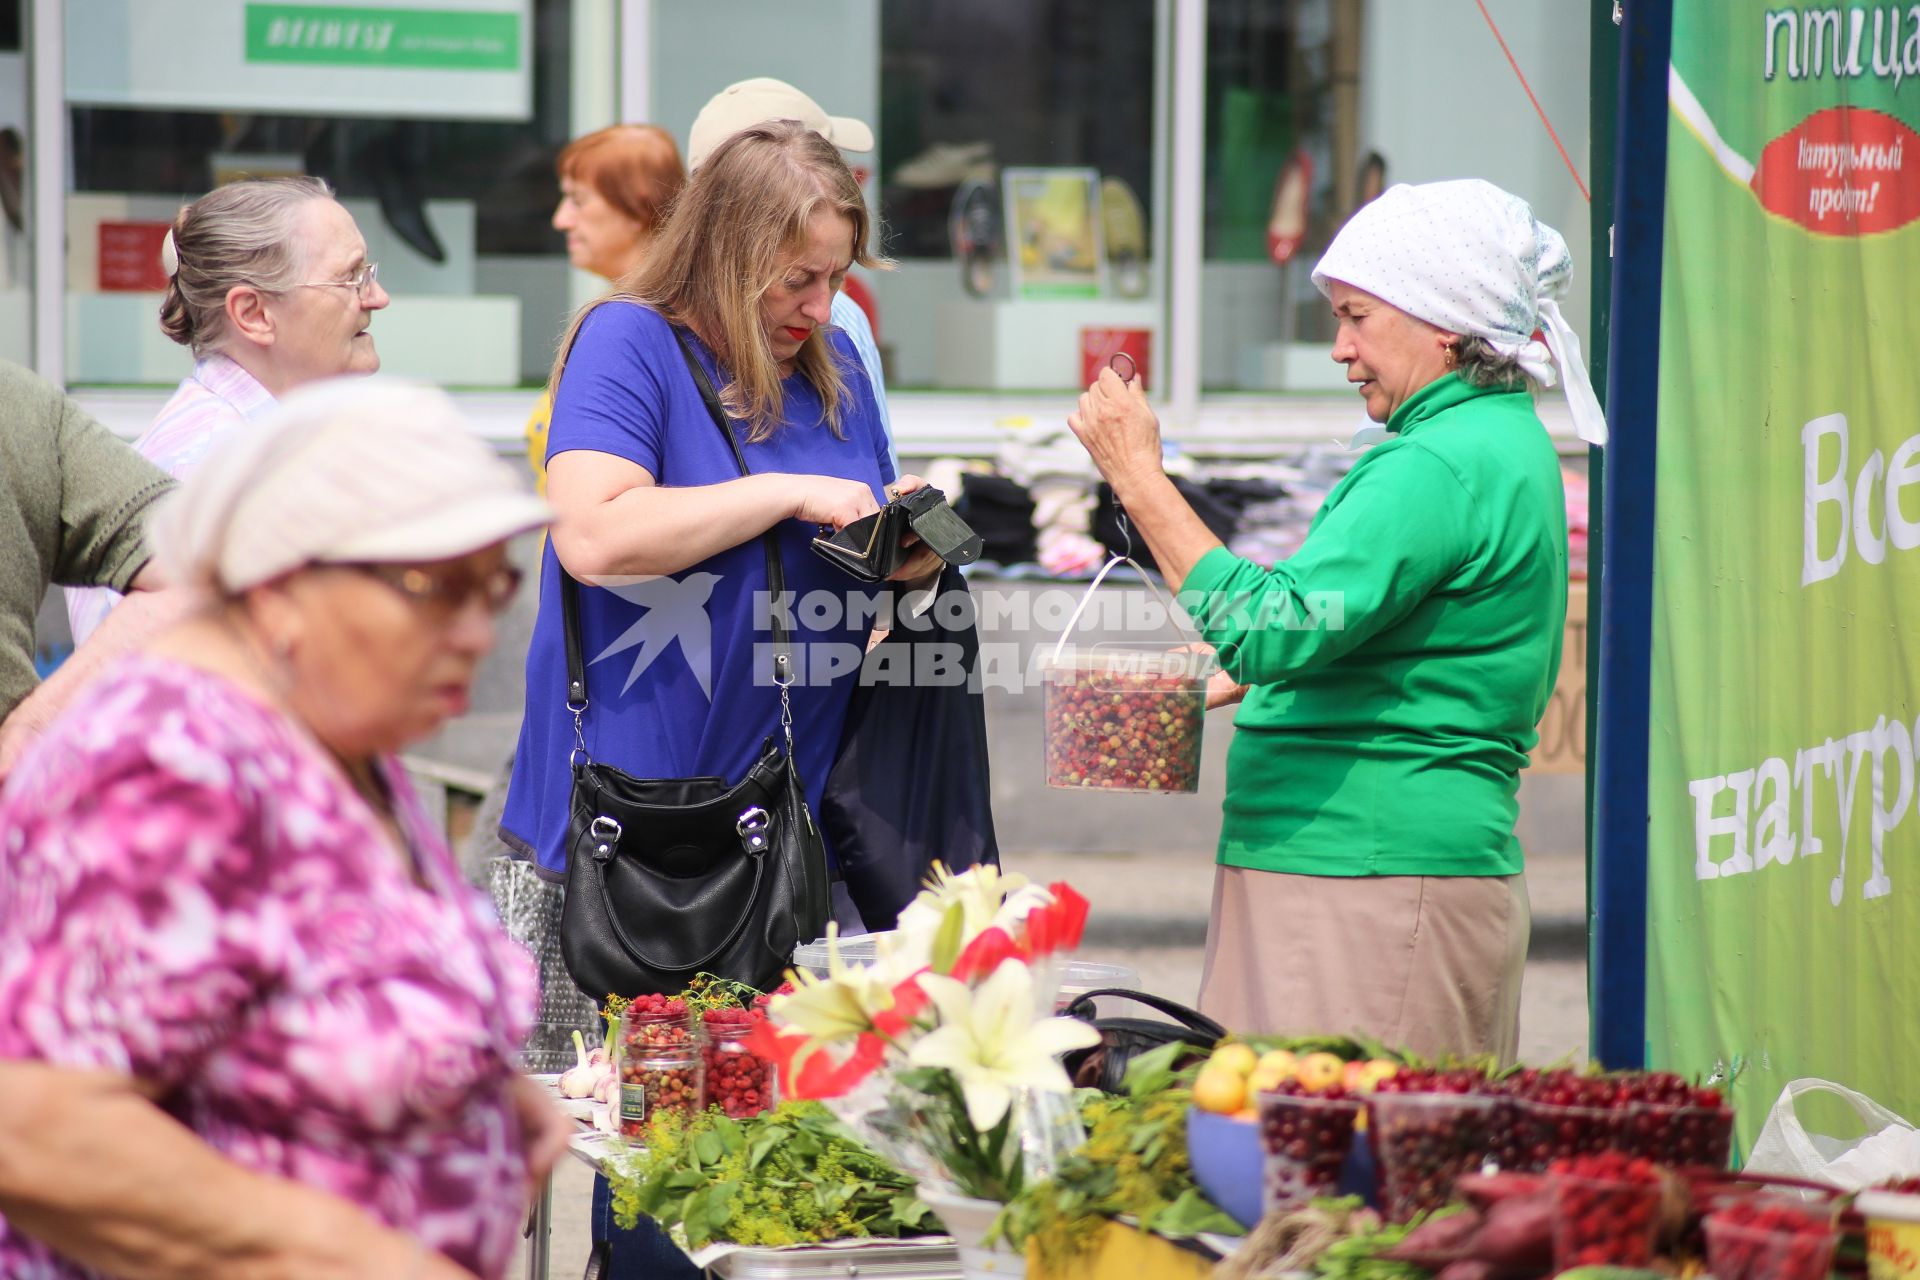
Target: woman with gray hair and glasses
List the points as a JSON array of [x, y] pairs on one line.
[[270, 287]]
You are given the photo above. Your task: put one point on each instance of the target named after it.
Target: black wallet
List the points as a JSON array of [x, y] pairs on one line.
[[870, 548]]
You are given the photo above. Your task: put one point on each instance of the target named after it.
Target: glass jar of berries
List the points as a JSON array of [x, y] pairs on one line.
[[665, 1077], [657, 1059], [738, 1080]]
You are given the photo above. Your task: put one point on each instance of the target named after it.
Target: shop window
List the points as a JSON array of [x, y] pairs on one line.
[[1283, 171], [1016, 180], [455, 210]]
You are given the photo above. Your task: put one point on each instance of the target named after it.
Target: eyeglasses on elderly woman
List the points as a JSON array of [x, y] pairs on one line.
[[441, 595], [361, 281]]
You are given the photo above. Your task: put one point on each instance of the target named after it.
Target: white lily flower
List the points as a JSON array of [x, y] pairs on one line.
[[987, 897], [839, 1006], [991, 1042]]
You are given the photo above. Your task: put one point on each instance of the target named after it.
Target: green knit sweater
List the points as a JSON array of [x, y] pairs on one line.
[[1402, 657], [73, 503]]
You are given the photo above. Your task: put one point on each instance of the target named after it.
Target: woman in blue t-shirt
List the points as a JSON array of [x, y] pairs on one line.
[[656, 521], [652, 510]]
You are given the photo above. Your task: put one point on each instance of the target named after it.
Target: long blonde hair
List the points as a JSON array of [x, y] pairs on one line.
[[745, 208]]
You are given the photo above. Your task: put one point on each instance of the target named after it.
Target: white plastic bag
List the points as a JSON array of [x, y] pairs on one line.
[[1786, 1148]]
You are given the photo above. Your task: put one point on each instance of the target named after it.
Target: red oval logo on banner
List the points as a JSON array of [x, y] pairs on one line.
[[1842, 172]]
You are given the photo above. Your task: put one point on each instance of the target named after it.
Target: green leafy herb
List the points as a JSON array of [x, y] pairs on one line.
[[709, 991], [1358, 1256], [793, 1175], [1134, 1164]]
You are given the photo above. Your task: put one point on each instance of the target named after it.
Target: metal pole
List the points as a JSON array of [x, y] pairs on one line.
[[47, 183], [1189, 213], [540, 1232], [1603, 91], [1626, 589], [636, 61]]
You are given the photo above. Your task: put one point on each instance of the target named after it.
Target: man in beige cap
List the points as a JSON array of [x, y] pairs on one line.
[[746, 103]]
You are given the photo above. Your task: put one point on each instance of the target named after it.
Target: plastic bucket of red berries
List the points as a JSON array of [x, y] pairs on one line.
[[1606, 1210], [1307, 1137], [1422, 1142], [1770, 1238], [1124, 719]]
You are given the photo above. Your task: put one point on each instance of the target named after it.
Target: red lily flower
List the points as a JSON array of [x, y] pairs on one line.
[[908, 1001], [818, 1076], [1058, 925], [984, 954]]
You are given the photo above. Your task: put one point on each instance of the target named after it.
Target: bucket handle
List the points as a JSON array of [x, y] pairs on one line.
[[1173, 611]]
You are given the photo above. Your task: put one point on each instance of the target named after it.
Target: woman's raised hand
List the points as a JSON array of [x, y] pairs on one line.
[[829, 500], [1118, 428]]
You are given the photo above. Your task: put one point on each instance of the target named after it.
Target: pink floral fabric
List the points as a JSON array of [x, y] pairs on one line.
[[192, 894]]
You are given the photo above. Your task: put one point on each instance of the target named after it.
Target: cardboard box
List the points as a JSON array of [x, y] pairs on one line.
[[1563, 730]]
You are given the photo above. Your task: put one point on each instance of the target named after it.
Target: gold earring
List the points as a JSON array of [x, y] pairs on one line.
[[1453, 355]]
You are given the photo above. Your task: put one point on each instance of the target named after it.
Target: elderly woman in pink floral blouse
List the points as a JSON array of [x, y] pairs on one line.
[[215, 878]]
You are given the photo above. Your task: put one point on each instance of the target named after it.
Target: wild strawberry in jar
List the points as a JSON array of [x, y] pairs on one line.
[[738, 1080], [657, 1061], [656, 1079]]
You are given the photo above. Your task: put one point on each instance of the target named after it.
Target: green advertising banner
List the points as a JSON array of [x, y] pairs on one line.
[[1784, 837], [383, 59], [332, 35]]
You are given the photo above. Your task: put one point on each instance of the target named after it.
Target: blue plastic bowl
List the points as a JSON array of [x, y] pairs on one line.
[[1228, 1163]]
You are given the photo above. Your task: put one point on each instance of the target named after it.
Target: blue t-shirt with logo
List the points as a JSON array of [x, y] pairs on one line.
[[679, 673]]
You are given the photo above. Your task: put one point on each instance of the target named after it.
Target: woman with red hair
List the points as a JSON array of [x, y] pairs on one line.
[[615, 186]]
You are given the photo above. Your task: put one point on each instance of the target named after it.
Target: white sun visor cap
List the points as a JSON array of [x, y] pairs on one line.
[[750, 102], [369, 470]]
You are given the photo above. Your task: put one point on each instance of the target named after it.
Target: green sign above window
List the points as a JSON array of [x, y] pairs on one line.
[[322, 34]]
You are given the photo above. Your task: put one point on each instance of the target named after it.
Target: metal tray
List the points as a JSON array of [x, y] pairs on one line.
[[896, 1260]]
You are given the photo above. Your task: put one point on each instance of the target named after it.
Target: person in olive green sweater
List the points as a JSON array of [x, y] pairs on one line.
[[1393, 669]]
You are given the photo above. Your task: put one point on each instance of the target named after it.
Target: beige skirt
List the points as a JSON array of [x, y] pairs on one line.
[[1427, 963]]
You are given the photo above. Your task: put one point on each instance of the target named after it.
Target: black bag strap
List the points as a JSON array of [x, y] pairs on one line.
[[776, 575], [1191, 1019]]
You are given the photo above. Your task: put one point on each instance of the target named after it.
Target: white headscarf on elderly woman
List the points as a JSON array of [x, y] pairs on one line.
[[1471, 259], [346, 471]]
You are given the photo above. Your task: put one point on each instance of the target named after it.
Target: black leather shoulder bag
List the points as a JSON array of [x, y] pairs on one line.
[[670, 877]]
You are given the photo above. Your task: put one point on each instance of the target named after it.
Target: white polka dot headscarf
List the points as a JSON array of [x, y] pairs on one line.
[[1469, 258]]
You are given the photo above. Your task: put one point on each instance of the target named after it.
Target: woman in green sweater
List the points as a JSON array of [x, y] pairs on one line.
[[1393, 669]]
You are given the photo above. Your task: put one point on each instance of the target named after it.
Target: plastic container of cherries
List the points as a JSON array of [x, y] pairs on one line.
[[1307, 1138], [1422, 1142]]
